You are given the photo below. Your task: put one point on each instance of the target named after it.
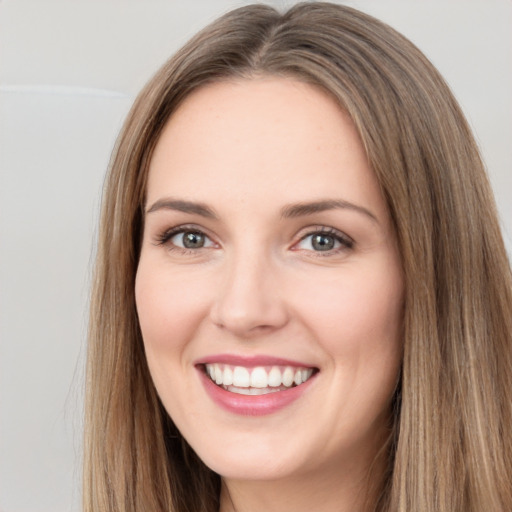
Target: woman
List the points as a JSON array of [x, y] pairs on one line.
[[302, 298]]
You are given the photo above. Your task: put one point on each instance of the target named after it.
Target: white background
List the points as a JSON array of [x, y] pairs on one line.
[[69, 71]]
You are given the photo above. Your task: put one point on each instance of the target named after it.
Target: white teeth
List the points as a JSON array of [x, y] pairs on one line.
[[228, 376], [240, 391], [288, 377], [253, 391], [258, 380], [241, 377], [274, 377], [218, 375]]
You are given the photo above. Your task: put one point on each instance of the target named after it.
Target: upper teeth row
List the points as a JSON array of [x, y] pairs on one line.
[[257, 377]]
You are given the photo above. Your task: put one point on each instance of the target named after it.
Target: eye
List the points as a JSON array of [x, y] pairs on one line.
[[190, 240], [325, 241], [183, 238]]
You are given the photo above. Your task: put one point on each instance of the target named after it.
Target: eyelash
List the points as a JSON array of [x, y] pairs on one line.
[[345, 241], [166, 236]]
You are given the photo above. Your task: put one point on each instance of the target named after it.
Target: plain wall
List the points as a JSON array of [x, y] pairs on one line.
[[69, 72]]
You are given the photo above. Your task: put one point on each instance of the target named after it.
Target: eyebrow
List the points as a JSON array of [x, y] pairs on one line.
[[303, 209], [181, 205], [289, 211]]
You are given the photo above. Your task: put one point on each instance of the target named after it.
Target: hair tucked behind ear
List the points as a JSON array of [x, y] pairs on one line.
[[452, 448]]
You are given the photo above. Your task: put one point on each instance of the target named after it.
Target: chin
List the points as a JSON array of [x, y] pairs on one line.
[[234, 468], [259, 458]]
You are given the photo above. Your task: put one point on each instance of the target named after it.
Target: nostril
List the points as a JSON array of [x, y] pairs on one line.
[[247, 303]]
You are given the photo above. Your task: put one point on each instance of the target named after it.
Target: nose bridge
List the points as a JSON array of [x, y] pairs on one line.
[[249, 300]]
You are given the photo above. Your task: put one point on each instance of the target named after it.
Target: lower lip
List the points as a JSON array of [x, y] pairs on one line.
[[253, 405]]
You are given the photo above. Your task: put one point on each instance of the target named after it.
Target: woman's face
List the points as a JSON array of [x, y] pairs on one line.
[[269, 288]]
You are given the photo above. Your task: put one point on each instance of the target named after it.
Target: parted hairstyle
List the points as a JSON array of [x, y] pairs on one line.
[[450, 448]]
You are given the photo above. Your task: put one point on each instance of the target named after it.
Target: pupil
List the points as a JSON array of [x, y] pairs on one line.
[[193, 240], [323, 242]]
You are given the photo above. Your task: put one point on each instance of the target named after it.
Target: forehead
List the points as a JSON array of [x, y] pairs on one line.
[[255, 138]]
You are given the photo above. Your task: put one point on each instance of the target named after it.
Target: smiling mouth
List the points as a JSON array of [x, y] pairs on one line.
[[259, 380]]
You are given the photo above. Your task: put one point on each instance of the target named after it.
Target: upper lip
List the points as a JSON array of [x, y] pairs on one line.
[[250, 361]]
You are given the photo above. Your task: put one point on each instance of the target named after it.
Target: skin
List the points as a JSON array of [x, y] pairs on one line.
[[247, 150]]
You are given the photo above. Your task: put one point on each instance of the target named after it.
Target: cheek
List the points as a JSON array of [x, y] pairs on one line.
[[357, 319], [170, 308], [356, 306]]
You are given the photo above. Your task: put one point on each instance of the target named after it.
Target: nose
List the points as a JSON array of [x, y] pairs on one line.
[[249, 301]]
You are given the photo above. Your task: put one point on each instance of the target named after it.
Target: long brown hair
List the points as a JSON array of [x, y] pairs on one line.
[[451, 448]]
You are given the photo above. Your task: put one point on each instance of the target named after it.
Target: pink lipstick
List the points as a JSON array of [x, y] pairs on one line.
[[254, 385]]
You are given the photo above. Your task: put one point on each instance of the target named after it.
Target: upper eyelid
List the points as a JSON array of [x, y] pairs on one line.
[[163, 236], [311, 230], [346, 242]]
